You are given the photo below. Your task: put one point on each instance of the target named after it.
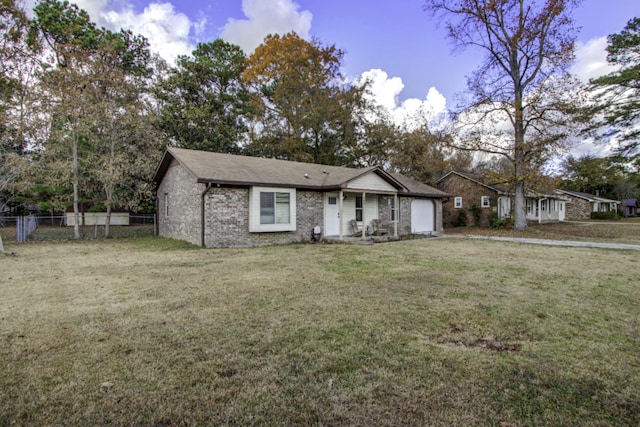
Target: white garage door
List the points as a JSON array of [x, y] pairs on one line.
[[422, 216]]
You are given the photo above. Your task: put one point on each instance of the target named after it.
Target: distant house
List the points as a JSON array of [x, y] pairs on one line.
[[630, 207], [470, 194], [222, 200], [580, 205]]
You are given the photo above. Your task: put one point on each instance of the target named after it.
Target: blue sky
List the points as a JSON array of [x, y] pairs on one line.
[[411, 59]]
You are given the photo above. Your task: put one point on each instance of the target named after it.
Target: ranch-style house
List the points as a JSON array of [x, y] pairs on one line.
[[223, 200]]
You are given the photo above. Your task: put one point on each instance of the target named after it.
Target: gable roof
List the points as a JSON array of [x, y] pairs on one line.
[[417, 188], [477, 180], [229, 169], [586, 196], [502, 191]]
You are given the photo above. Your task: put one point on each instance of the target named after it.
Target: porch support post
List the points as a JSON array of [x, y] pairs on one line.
[[340, 216], [364, 222], [539, 211], [397, 215]]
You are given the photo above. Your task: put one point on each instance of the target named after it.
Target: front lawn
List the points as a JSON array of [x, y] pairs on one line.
[[150, 331], [625, 231]]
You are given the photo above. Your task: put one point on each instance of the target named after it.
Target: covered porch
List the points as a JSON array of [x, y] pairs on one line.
[[361, 214]]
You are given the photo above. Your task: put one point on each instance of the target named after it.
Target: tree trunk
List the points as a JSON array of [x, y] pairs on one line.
[[519, 157], [76, 192], [107, 223], [519, 206], [1, 246]]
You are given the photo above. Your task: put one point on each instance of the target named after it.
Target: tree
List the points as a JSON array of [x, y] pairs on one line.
[[304, 110], [612, 176], [204, 101], [13, 57], [92, 97], [518, 101], [425, 155], [618, 93]]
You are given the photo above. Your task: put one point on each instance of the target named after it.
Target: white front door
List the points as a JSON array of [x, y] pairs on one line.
[[332, 216]]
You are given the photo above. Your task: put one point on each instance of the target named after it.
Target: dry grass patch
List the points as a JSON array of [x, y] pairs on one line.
[[426, 332]]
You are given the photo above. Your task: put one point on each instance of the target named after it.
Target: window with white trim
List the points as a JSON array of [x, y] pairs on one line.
[[272, 209], [484, 202], [166, 204], [457, 202]]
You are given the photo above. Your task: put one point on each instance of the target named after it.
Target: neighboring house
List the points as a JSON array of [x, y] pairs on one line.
[[223, 200], [580, 205], [630, 207], [469, 193]]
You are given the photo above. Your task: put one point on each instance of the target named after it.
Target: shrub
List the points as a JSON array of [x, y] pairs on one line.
[[461, 219], [611, 215], [496, 222], [476, 213]]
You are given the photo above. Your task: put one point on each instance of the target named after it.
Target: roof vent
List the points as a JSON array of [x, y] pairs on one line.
[[306, 175]]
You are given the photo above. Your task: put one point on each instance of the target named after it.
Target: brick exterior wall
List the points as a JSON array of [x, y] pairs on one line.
[[183, 196], [404, 212], [471, 193], [227, 219], [227, 213], [578, 208]]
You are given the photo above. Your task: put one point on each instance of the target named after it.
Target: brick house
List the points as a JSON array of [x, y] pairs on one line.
[[580, 205], [474, 200], [223, 200], [629, 207]]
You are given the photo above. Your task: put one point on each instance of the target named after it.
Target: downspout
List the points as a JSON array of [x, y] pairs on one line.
[[202, 213]]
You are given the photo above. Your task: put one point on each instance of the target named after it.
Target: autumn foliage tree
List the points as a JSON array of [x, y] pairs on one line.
[[303, 108], [519, 107]]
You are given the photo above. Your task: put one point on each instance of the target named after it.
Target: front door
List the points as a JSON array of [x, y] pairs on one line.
[[332, 216]]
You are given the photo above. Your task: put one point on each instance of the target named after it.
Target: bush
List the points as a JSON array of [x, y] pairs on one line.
[[611, 215], [461, 219], [476, 213], [496, 222]]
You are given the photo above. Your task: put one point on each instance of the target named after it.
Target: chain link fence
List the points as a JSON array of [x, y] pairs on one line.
[[31, 228]]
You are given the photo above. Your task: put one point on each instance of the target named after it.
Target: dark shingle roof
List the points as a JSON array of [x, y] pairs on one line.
[[587, 196], [417, 188], [210, 167], [478, 180]]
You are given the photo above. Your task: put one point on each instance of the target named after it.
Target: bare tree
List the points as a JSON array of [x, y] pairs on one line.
[[518, 94]]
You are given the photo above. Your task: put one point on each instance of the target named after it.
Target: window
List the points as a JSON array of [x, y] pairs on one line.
[[358, 208], [457, 202], [272, 209], [166, 204], [484, 202], [394, 210], [530, 207], [333, 200]]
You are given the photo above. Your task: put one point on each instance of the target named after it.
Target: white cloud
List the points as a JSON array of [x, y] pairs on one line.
[[266, 17], [411, 112], [166, 29], [591, 60]]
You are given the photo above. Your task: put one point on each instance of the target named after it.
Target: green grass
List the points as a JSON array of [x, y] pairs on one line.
[[426, 332]]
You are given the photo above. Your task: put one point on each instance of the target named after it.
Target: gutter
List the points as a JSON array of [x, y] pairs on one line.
[[202, 213]]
